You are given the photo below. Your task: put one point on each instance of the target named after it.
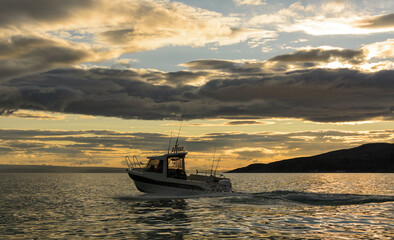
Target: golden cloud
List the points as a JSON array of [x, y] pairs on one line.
[[331, 18], [129, 24]]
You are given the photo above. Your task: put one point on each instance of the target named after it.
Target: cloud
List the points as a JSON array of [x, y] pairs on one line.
[[319, 95], [252, 154], [103, 147], [247, 122], [181, 33], [322, 55], [296, 85], [329, 18], [34, 115], [17, 13], [210, 64], [24, 54], [381, 50], [381, 21], [366, 59], [250, 2], [128, 25], [124, 62], [240, 67], [40, 35]]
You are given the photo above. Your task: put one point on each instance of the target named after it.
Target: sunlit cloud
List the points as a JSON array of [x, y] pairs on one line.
[[331, 26], [52, 34], [125, 62], [128, 25], [250, 2], [39, 115], [98, 147], [329, 18], [383, 49]]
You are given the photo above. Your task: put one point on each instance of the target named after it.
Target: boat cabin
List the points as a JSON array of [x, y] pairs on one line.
[[171, 165]]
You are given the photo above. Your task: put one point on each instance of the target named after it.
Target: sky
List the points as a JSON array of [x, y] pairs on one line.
[[86, 82]]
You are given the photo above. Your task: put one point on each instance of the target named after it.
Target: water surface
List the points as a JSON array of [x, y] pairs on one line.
[[276, 206]]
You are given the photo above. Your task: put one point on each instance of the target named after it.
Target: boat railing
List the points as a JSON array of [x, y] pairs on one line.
[[132, 162]]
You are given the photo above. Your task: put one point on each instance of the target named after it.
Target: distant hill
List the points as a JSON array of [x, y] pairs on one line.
[[56, 169], [373, 157]]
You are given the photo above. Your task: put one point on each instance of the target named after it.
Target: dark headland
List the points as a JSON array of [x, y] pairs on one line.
[[56, 169], [373, 157]]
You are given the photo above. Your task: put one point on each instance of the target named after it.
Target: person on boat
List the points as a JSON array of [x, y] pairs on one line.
[[159, 167]]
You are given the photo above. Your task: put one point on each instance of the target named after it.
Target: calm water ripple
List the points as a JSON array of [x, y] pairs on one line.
[[271, 206]]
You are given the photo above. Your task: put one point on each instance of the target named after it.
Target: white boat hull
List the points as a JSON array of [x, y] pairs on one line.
[[169, 186]]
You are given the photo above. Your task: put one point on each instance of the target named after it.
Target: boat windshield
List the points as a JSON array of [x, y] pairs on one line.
[[155, 165], [176, 168]]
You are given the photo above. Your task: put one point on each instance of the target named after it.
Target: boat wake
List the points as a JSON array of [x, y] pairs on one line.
[[308, 198], [273, 198]]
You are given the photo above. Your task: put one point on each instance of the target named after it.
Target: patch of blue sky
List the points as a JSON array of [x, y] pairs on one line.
[[168, 58], [225, 6], [78, 36]]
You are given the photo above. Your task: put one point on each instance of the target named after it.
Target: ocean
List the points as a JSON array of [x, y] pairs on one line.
[[264, 206]]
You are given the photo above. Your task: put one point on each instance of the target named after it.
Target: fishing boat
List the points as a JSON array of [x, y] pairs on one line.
[[166, 174]]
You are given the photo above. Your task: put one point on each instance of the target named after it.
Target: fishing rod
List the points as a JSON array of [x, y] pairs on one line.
[[213, 159], [169, 144], [180, 127]]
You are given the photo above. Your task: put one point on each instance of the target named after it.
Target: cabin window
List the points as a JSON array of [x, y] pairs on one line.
[[155, 165], [176, 168]]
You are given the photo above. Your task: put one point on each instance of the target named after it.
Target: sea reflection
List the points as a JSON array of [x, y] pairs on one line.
[[160, 219], [349, 183], [267, 206]]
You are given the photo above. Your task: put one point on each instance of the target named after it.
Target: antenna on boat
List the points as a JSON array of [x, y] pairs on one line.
[[169, 144], [217, 164]]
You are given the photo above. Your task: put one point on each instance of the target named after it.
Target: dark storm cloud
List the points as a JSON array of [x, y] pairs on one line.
[[20, 55], [25, 11], [383, 21], [322, 55], [317, 95]]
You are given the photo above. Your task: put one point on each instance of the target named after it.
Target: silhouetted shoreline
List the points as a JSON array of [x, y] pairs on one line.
[[373, 158]]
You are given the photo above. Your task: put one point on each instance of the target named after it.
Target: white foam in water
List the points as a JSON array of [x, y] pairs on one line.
[[309, 198], [334, 199]]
